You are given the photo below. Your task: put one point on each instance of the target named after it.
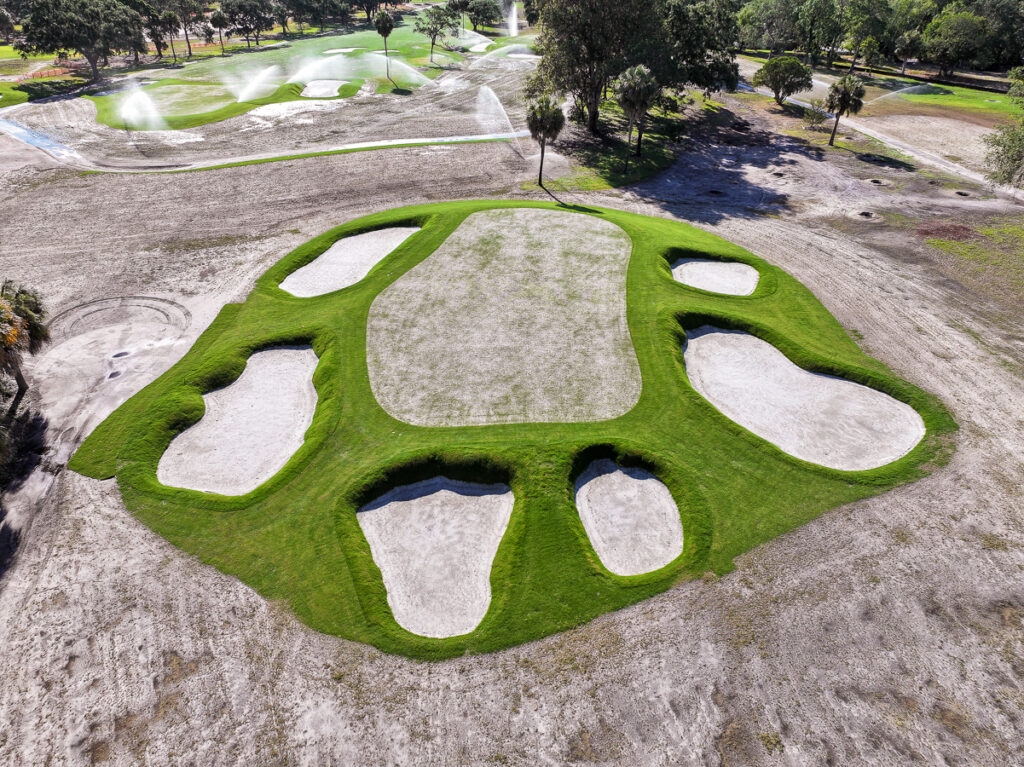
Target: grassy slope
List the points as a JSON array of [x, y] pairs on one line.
[[296, 537], [403, 43]]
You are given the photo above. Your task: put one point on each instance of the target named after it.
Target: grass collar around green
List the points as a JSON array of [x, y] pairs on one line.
[[296, 537]]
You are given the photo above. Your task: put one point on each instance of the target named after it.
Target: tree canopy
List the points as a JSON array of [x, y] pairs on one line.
[[783, 76], [95, 29]]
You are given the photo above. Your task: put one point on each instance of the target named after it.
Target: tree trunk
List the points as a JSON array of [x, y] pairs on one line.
[[220, 34], [903, 70], [835, 127], [593, 109], [387, 61], [629, 140], [188, 42], [853, 63], [540, 173], [19, 377], [432, 49], [173, 52], [639, 137]]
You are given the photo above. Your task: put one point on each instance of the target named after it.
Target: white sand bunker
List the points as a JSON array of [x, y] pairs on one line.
[[729, 277], [332, 51], [250, 429], [630, 517], [519, 316], [346, 262], [434, 542], [818, 418], [322, 89]]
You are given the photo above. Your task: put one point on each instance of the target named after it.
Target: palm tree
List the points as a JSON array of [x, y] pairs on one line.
[[545, 120], [170, 22], [385, 23], [22, 328], [220, 21], [635, 91], [845, 97]]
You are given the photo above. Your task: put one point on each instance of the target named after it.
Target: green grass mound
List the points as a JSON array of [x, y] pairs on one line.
[[217, 88], [296, 538]]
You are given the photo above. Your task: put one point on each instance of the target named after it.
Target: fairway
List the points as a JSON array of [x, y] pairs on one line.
[[298, 538]]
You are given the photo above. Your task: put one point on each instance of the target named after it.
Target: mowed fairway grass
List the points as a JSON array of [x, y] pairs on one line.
[[208, 76], [296, 538]]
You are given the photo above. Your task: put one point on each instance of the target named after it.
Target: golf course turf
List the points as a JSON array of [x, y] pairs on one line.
[[296, 537]]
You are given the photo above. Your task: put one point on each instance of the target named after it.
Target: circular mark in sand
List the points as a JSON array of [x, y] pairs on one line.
[[778, 174], [120, 354], [250, 429], [123, 310], [115, 374], [729, 277], [818, 418], [715, 192], [434, 543], [880, 182], [630, 517], [960, 193]]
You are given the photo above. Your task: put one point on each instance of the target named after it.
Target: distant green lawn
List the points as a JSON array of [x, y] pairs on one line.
[[296, 537]]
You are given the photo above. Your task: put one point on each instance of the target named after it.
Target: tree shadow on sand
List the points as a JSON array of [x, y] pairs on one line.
[[22, 447], [711, 178]]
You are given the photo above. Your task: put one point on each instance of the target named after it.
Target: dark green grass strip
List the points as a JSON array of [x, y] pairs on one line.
[[296, 538]]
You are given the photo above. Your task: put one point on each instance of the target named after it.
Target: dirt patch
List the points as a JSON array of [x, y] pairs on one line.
[[944, 230], [519, 316]]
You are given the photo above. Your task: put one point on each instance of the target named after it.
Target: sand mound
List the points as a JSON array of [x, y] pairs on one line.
[[434, 543], [346, 262], [817, 418], [729, 277], [519, 316], [322, 89], [250, 429], [630, 517]]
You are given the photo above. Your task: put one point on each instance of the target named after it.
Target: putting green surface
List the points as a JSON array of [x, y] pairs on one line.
[[296, 538]]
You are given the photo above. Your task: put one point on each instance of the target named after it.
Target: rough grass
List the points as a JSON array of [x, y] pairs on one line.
[[995, 256], [296, 538]]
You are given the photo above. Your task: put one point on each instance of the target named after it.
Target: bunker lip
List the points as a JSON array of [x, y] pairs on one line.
[[322, 89], [732, 278], [251, 428], [346, 262], [630, 517], [434, 542], [822, 419]]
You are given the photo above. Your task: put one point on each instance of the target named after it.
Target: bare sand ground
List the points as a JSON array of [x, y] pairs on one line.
[[519, 316], [250, 429], [728, 277], [434, 543], [890, 631], [630, 517], [346, 262], [817, 418], [956, 140], [322, 89]]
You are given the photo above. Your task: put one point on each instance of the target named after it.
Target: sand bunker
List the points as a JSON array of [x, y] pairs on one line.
[[817, 418], [332, 51], [322, 89], [519, 316], [434, 543], [250, 429], [346, 262], [630, 517], [729, 277]]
